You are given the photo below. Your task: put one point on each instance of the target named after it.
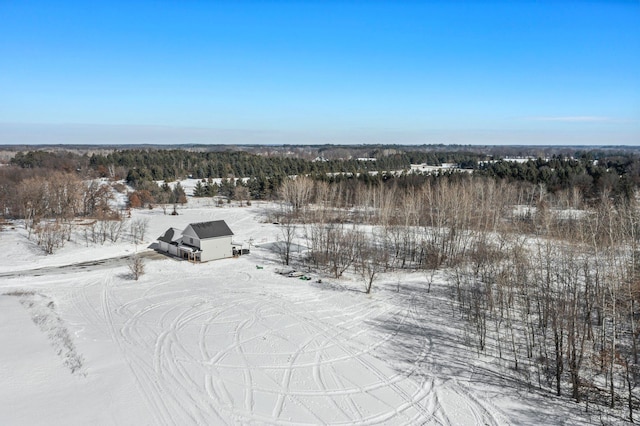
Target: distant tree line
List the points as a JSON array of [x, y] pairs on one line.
[[61, 161], [617, 175], [593, 172], [170, 165]]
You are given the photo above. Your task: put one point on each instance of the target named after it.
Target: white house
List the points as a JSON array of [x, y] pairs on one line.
[[199, 242]]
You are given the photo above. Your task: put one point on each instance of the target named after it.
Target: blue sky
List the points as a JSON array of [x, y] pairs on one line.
[[195, 71]]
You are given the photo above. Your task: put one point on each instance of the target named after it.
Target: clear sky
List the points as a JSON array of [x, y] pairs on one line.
[[197, 71]]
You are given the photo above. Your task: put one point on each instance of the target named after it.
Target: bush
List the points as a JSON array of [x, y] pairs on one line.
[[136, 266]]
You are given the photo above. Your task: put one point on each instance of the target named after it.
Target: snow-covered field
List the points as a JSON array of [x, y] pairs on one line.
[[227, 343]]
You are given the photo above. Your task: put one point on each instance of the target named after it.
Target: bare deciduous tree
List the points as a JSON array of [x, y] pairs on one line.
[[241, 194], [97, 199], [297, 192], [136, 266], [50, 236], [115, 228], [372, 260], [139, 229], [288, 233]]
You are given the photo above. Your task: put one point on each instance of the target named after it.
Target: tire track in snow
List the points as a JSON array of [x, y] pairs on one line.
[[331, 337], [248, 380], [196, 368], [459, 405], [87, 310], [158, 409], [483, 410], [169, 354], [169, 368], [324, 392]]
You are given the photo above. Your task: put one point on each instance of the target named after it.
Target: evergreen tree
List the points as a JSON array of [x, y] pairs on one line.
[[199, 190]]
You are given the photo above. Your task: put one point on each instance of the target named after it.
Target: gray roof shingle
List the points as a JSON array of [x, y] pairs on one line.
[[213, 229], [171, 236]]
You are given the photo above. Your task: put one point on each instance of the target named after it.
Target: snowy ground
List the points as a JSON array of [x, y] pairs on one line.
[[227, 343]]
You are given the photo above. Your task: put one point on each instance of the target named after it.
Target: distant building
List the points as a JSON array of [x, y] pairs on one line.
[[444, 167], [199, 242], [424, 167]]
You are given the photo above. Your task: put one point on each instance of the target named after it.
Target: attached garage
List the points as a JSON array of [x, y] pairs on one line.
[[170, 241]]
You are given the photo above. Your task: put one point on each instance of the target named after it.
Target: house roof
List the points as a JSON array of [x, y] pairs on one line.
[[172, 235], [213, 229]]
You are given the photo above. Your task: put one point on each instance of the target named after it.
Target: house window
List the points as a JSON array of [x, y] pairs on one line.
[[191, 240]]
